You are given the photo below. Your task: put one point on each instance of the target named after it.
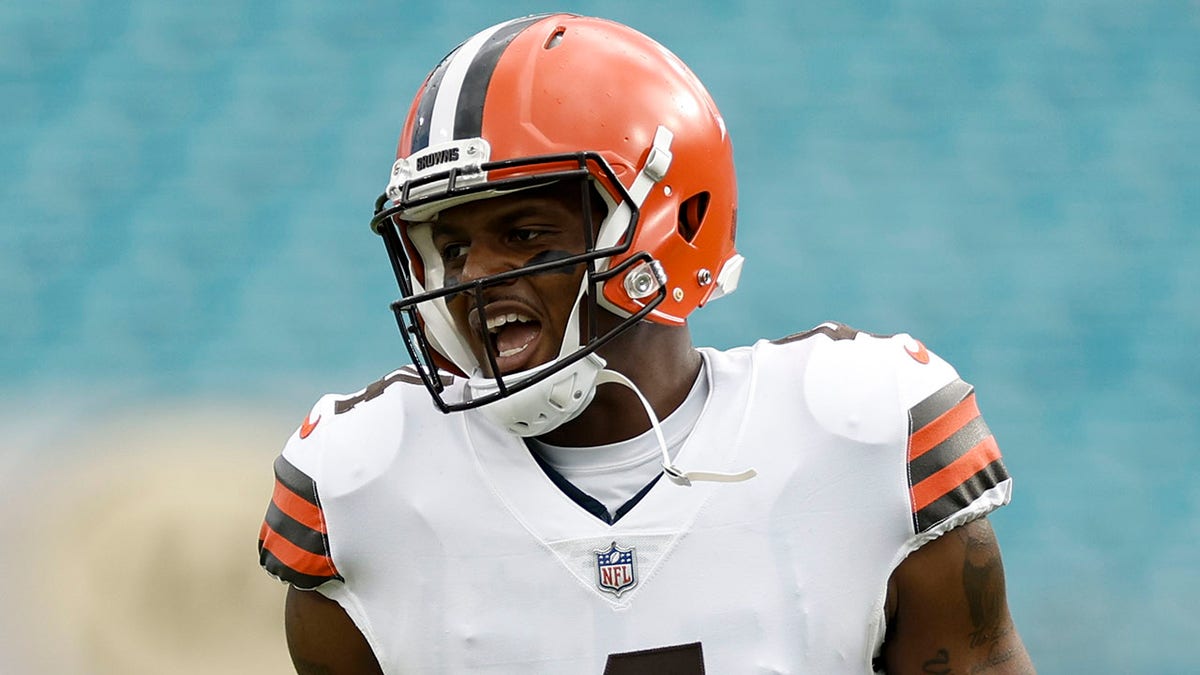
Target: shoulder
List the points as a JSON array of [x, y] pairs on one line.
[[346, 439], [878, 389], [344, 442], [857, 384], [859, 357]]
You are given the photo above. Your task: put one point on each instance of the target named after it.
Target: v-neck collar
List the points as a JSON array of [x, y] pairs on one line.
[[549, 514], [587, 502]]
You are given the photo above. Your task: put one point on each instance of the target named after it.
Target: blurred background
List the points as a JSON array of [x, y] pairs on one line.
[[185, 266]]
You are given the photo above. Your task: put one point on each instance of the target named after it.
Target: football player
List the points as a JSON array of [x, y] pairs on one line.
[[561, 482]]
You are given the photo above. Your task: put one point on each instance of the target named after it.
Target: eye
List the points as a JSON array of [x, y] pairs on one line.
[[453, 251], [525, 234]]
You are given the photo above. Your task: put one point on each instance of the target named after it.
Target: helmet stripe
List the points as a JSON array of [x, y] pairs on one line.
[[463, 74], [468, 123], [420, 138]]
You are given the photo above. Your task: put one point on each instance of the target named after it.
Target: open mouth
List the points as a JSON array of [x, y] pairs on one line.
[[512, 336]]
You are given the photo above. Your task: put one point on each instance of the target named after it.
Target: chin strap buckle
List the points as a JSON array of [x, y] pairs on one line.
[[680, 477]]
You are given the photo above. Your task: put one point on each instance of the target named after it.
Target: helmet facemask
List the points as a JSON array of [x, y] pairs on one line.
[[535, 101], [434, 339]]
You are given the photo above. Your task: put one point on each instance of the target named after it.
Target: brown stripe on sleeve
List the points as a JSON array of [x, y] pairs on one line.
[[942, 427], [294, 531], [293, 542], [937, 403], [953, 457], [961, 496], [295, 480], [949, 450], [949, 477], [301, 510]]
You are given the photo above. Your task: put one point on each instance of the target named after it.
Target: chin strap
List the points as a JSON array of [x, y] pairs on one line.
[[677, 475]]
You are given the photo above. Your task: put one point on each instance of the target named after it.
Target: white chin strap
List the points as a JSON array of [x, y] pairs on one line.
[[542, 407], [677, 475]]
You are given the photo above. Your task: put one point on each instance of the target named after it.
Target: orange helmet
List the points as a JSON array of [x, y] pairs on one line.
[[555, 97]]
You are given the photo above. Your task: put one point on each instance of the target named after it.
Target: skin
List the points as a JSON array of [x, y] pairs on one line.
[[948, 612], [946, 606], [322, 639], [483, 238]]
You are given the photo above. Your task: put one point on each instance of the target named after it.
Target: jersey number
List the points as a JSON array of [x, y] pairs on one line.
[[674, 660]]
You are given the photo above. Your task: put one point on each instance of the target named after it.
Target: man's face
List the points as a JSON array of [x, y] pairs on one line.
[[525, 317]]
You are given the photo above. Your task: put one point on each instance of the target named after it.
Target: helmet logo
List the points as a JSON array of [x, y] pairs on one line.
[[616, 569], [466, 155], [437, 157]]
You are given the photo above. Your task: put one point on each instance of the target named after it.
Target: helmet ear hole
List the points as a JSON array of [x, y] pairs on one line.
[[691, 215]]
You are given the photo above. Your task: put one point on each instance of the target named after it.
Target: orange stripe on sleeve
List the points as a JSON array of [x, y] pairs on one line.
[[924, 440], [953, 474], [295, 557], [303, 511]]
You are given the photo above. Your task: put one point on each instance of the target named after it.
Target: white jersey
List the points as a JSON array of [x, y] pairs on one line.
[[453, 550]]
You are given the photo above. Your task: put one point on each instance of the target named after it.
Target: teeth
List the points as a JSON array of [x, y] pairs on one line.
[[494, 323], [510, 352]]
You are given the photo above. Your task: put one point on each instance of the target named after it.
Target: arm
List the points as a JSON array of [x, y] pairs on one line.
[[322, 638], [947, 611]]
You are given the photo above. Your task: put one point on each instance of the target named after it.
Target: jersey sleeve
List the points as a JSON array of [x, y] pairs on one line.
[[293, 542], [891, 390], [955, 470]]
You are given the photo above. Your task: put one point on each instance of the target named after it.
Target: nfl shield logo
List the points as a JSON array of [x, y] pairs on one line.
[[616, 569]]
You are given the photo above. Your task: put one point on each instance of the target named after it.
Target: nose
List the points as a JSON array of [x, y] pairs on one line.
[[484, 258]]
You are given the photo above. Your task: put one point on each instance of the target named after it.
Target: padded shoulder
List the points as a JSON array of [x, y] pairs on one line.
[[880, 389], [891, 390], [348, 439], [860, 385], [344, 442]]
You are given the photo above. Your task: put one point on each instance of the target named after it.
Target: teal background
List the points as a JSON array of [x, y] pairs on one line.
[[183, 227]]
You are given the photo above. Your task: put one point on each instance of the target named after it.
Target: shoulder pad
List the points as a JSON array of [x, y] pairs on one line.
[[344, 442], [304, 447], [877, 389], [860, 386], [407, 375], [353, 438]]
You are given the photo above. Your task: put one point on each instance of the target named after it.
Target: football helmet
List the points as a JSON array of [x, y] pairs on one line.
[[534, 101]]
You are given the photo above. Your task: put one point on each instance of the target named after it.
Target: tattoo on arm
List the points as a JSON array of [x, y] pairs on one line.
[[983, 585], [938, 665], [983, 581]]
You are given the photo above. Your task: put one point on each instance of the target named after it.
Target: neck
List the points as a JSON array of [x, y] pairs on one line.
[[663, 364]]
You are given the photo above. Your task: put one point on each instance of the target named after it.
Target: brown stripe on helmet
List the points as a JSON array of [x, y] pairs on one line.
[[468, 96], [468, 117], [424, 111]]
